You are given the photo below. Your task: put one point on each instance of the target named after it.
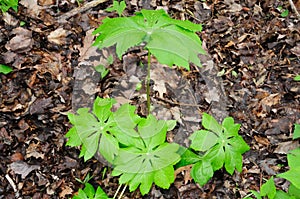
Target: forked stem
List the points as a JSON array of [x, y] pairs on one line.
[[148, 82]]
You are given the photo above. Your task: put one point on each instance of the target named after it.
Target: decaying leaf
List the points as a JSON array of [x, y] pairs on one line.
[[22, 42], [285, 147], [58, 36], [23, 168]]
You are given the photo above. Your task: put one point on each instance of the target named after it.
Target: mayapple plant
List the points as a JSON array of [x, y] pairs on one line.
[[136, 146], [172, 42]]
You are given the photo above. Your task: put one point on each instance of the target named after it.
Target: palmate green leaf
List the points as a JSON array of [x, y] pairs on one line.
[[221, 145], [150, 161], [135, 160], [172, 42], [88, 128]]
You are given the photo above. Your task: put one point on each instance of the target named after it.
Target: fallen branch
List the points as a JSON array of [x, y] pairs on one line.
[[63, 18], [294, 8]]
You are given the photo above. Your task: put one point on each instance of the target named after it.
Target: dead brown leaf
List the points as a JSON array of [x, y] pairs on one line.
[[32, 7], [285, 147], [58, 36], [22, 42], [34, 151], [262, 140], [22, 168]]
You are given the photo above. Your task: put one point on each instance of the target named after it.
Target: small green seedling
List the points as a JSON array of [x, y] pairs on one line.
[[218, 145], [297, 78], [5, 5], [283, 12], [117, 6], [5, 69], [102, 70], [86, 179], [89, 193]]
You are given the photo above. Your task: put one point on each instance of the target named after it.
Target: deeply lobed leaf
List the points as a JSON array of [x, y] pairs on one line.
[[220, 144], [151, 160], [172, 42], [88, 128]]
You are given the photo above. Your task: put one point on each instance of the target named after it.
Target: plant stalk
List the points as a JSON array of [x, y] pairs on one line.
[[148, 82]]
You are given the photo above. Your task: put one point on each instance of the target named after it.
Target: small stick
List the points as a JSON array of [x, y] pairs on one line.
[[12, 183], [63, 18], [294, 8]]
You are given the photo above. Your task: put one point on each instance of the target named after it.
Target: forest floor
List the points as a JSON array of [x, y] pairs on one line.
[[255, 48]]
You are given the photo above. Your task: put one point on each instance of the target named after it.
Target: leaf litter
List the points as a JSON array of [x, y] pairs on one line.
[[247, 37]]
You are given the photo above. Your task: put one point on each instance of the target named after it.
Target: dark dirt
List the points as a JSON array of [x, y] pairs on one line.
[[256, 49]]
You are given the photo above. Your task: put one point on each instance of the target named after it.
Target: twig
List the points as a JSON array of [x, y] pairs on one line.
[[294, 8], [12, 183], [63, 18]]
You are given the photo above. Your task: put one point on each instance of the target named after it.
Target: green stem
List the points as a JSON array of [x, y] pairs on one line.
[[148, 82]]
